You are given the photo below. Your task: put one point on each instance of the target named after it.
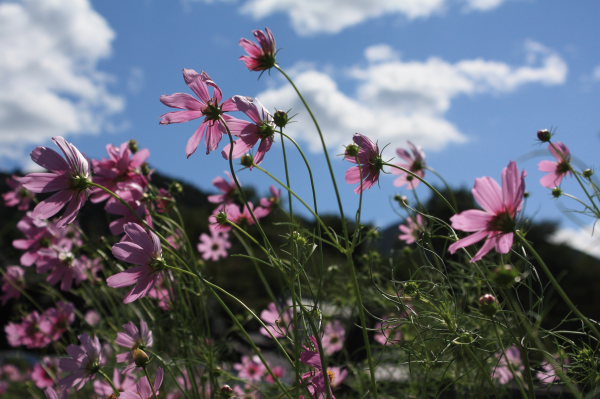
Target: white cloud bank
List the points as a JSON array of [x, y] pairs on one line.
[[49, 51], [397, 100], [581, 239]]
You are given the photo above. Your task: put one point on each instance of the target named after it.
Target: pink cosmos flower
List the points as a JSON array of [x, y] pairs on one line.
[[133, 338], [27, 333], [55, 321], [69, 179], [122, 166], [250, 369], [123, 382], [334, 335], [208, 107], [214, 246], [18, 196], [263, 129], [315, 379], [45, 372], [143, 390], [366, 155], [415, 162], [496, 223], [278, 323], [143, 249], [412, 230], [84, 362], [133, 194], [92, 317], [270, 203], [227, 187], [58, 393], [62, 266], [558, 169], [502, 371], [260, 56], [161, 293], [39, 234], [548, 374], [13, 282], [279, 371]]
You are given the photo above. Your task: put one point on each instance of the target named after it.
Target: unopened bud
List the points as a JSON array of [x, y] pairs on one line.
[[140, 358], [247, 160], [588, 173], [544, 135], [227, 391], [281, 118], [505, 276], [146, 169], [352, 150], [411, 288], [488, 304], [401, 199], [526, 194], [175, 188], [556, 192], [133, 146]]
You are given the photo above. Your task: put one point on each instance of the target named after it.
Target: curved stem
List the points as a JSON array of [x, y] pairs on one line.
[[109, 380]]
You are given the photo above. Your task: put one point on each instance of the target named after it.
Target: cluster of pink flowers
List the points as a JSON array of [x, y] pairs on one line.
[[315, 378], [40, 330]]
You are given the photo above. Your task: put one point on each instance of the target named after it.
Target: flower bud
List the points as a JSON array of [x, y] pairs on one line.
[[402, 200], [411, 288], [280, 118], [146, 169], [505, 276], [247, 160], [133, 146], [588, 173], [175, 188], [488, 304], [140, 358], [544, 135], [352, 150], [556, 192], [227, 391]]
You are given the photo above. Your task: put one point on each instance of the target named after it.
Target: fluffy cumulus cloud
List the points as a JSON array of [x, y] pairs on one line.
[[583, 239], [395, 100], [48, 72], [331, 16]]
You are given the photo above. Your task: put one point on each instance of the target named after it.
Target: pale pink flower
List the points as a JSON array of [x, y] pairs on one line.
[[39, 234], [549, 374], [411, 231], [123, 382], [84, 362], [44, 373], [228, 189], [208, 107], [133, 194], [334, 335], [28, 333], [161, 293], [13, 282], [69, 179], [496, 223], [270, 203], [143, 390], [19, 196], [502, 372], [62, 266], [262, 129], [143, 249], [366, 155], [55, 321], [278, 323], [558, 169], [415, 162], [122, 166], [213, 246], [251, 368], [260, 56], [133, 338]]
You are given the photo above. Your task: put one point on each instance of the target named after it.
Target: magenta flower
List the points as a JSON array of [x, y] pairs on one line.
[[84, 362], [133, 338], [558, 169], [260, 56], [13, 282], [278, 323], [122, 166], [366, 155], [250, 369], [61, 266], [143, 249], [28, 333], [334, 335], [415, 162], [18, 196], [502, 372], [133, 194], [315, 379], [496, 223], [270, 203], [214, 246], [411, 231], [55, 321], [228, 189], [69, 179], [208, 107], [263, 129], [123, 382], [549, 374], [43, 371], [39, 234]]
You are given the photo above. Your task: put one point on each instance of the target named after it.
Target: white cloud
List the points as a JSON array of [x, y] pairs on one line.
[[397, 100], [332, 16], [49, 51], [583, 240], [596, 73], [136, 79], [483, 5]]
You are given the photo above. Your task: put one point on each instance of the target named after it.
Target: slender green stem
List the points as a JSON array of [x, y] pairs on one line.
[[109, 380], [287, 174], [149, 382], [557, 286]]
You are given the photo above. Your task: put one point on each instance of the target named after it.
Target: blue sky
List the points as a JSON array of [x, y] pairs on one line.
[[470, 80]]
